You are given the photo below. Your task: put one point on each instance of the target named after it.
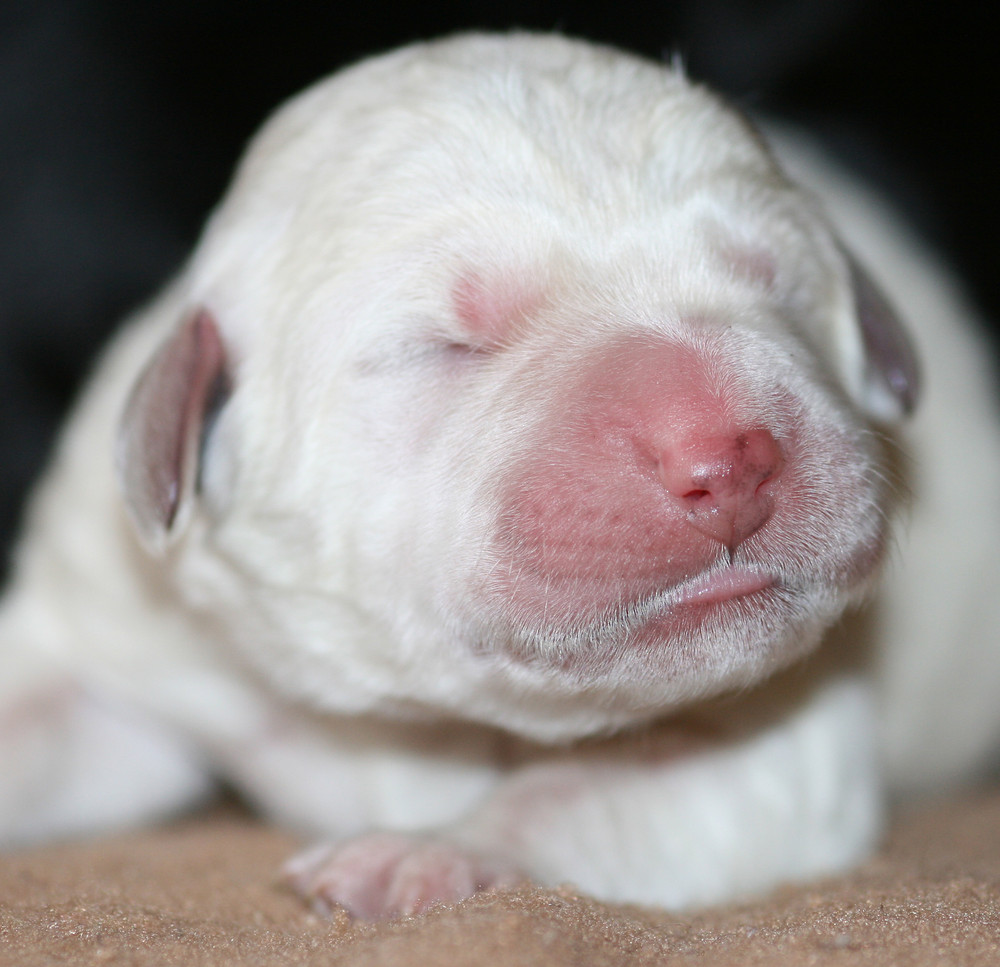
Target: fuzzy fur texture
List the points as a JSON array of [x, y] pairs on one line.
[[515, 430]]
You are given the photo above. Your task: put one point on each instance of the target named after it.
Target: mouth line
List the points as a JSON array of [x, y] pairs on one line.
[[717, 586], [723, 586], [720, 585], [683, 607], [724, 592]]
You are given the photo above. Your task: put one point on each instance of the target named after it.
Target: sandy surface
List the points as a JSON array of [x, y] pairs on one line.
[[204, 892]]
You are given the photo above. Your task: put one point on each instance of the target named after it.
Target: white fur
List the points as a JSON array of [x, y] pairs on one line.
[[317, 624]]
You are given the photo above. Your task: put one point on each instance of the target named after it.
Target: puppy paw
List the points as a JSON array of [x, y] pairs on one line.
[[382, 875]]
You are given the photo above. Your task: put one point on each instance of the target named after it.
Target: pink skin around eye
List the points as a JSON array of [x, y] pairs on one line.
[[490, 314]]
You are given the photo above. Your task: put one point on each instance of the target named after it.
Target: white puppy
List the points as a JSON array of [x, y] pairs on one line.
[[513, 433]]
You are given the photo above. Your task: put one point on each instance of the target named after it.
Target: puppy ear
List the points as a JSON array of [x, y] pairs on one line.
[[891, 384], [164, 425]]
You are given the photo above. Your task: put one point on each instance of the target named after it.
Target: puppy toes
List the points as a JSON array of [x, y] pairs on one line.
[[383, 875]]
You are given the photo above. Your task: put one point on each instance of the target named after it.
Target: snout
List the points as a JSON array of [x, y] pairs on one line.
[[660, 465]]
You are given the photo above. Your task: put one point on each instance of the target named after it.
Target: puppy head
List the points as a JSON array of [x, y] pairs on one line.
[[547, 398]]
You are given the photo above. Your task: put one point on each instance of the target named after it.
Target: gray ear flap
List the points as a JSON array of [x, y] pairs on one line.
[[892, 370], [163, 428]]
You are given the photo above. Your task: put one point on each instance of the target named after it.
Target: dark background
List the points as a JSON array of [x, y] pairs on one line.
[[120, 121]]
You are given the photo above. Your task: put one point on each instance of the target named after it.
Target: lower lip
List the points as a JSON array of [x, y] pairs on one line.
[[690, 604], [709, 589]]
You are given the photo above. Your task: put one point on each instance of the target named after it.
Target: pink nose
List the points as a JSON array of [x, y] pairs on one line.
[[724, 484]]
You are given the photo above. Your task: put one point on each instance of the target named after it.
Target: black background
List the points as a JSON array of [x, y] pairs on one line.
[[120, 121]]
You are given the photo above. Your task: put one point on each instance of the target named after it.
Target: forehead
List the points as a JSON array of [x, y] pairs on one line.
[[540, 157], [535, 119]]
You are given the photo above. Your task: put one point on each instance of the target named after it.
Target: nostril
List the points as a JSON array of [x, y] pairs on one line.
[[765, 485]]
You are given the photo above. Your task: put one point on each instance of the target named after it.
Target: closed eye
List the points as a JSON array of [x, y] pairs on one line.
[[434, 351], [456, 348]]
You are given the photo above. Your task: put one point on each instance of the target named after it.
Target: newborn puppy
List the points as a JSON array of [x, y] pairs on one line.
[[514, 432]]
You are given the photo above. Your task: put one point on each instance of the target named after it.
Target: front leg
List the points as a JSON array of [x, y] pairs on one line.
[[636, 821], [75, 756]]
